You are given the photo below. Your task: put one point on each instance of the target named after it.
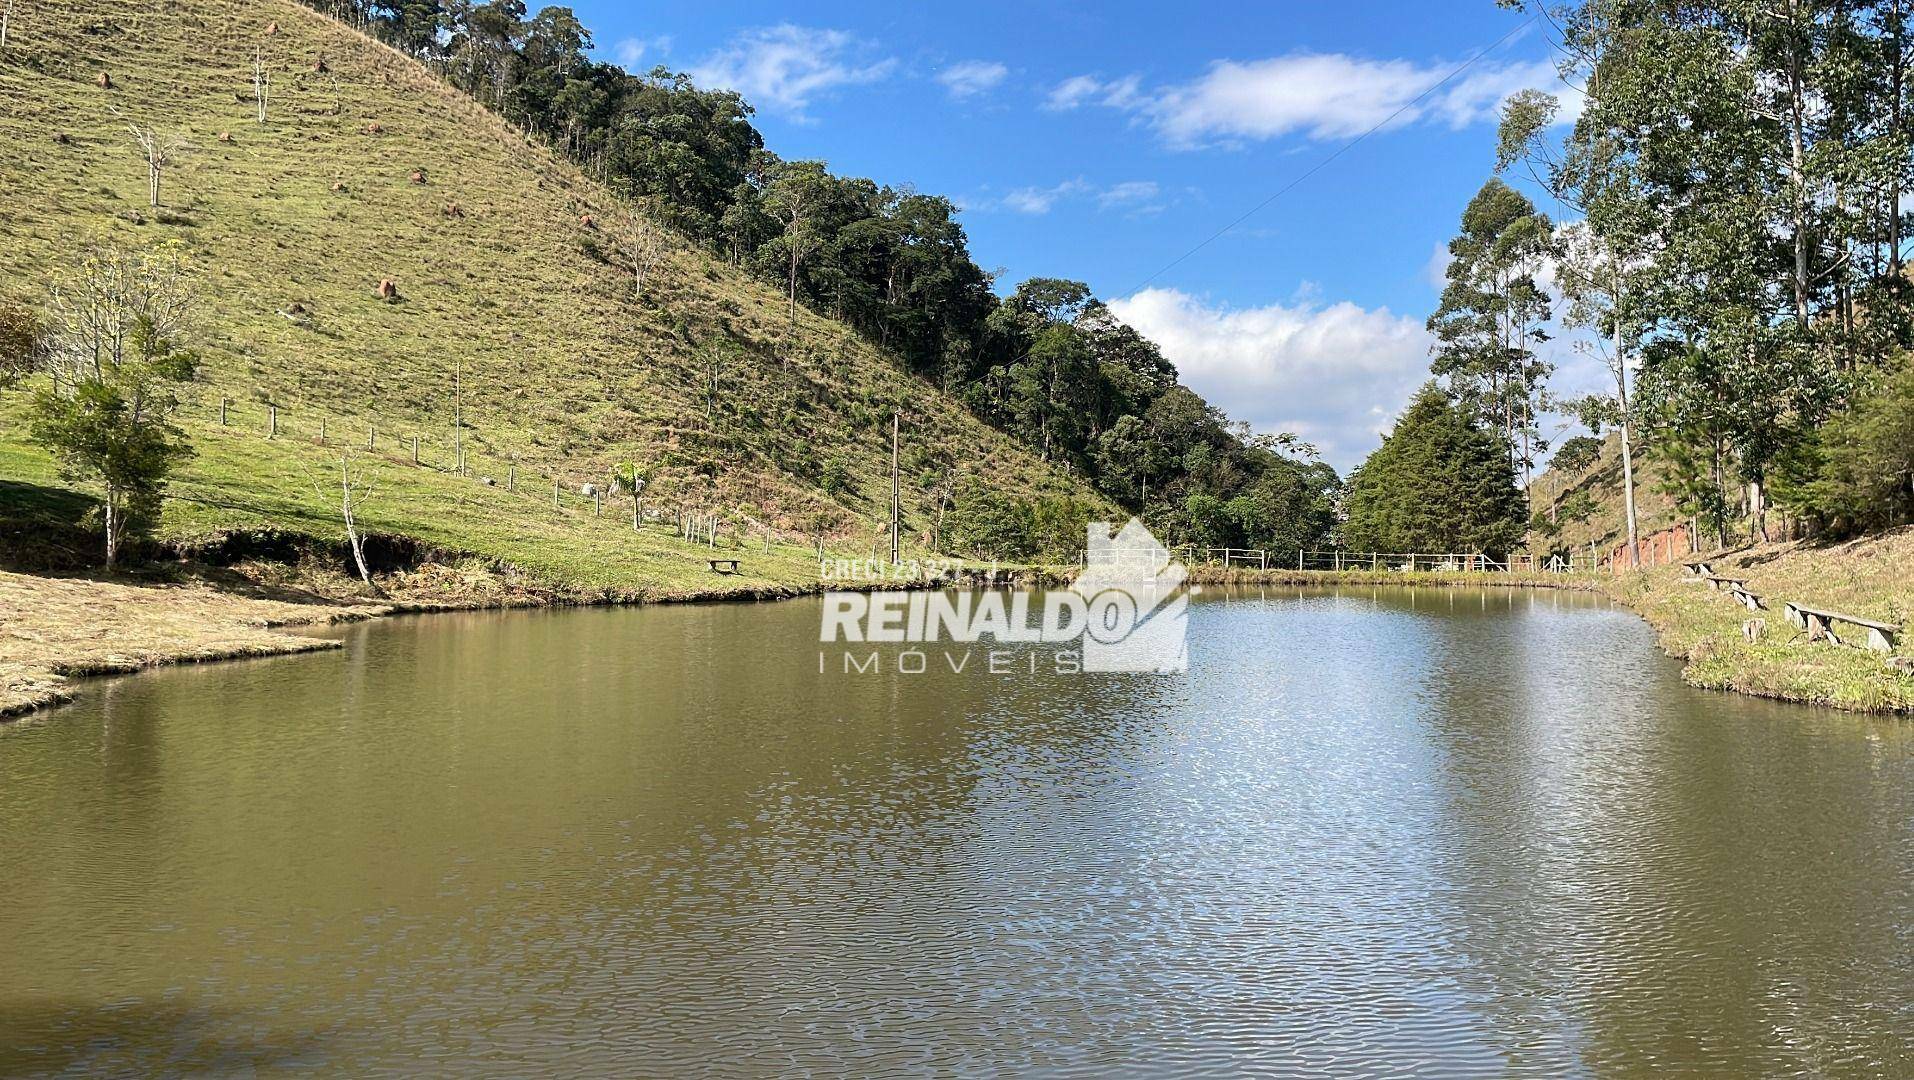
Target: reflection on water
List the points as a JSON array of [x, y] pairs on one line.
[[1372, 831]]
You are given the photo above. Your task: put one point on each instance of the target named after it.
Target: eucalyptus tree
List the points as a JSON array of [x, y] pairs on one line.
[[794, 197], [1492, 315], [1739, 164], [1599, 258]]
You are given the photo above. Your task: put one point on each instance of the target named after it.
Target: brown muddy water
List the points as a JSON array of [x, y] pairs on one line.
[[1372, 832]]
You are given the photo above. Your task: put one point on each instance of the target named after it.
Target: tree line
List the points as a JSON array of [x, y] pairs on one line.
[[1049, 364], [1734, 247]]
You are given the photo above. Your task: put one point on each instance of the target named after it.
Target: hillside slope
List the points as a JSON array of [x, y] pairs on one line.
[[516, 310], [1587, 506]]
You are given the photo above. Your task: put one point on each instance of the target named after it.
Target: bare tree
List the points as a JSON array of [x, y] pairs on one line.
[[161, 149], [98, 314], [6, 16], [945, 491], [645, 246], [717, 359], [262, 81], [354, 491]]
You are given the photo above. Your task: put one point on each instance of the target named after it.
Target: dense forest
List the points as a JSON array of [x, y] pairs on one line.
[[1048, 364]]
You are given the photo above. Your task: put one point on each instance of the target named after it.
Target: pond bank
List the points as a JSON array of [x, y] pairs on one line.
[[56, 629], [1724, 646]]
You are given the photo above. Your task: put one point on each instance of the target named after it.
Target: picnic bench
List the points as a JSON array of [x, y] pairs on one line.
[[723, 566], [1737, 588], [1819, 624]]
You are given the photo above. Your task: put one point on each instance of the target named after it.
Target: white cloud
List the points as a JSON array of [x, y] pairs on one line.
[[782, 68], [968, 78], [1318, 95], [1088, 89], [1132, 197], [1130, 194], [1437, 268], [1036, 200], [1335, 374], [628, 52]]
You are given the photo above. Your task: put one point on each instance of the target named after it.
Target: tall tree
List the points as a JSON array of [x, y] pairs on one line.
[[795, 197], [1597, 259], [1491, 317]]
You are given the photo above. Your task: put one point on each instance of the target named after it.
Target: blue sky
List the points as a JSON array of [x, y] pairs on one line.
[[1104, 142]]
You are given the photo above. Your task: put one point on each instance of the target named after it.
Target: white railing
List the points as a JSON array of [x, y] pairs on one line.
[[1450, 562]]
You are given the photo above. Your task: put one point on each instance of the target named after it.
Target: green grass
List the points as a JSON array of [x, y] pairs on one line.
[[503, 284]]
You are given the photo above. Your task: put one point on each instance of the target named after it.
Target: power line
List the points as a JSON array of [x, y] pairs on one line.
[[1338, 152]]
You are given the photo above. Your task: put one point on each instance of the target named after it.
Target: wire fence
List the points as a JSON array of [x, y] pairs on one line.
[[620, 493]]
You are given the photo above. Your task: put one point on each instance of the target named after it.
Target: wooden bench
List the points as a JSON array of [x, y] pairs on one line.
[[1737, 588], [1819, 624], [723, 566]]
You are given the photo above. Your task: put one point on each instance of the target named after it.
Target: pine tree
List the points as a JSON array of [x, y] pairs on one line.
[[1441, 482]]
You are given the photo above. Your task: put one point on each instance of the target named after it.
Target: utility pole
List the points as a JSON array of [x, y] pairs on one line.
[[894, 498]]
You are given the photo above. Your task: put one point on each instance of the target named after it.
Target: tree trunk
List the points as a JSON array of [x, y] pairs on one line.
[[353, 538], [1797, 149], [114, 525], [1628, 450], [1898, 83], [794, 287]]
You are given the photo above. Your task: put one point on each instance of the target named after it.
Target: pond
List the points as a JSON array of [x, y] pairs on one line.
[[1370, 832]]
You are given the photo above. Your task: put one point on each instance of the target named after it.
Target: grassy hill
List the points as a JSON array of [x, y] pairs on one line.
[[512, 292]]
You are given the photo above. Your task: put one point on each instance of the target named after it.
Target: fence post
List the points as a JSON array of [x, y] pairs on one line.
[[372, 437], [272, 421], [415, 449], [511, 476], [322, 431], [223, 402], [597, 501], [555, 505]]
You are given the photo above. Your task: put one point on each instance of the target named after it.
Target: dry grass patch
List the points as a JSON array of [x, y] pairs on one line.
[[55, 628]]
